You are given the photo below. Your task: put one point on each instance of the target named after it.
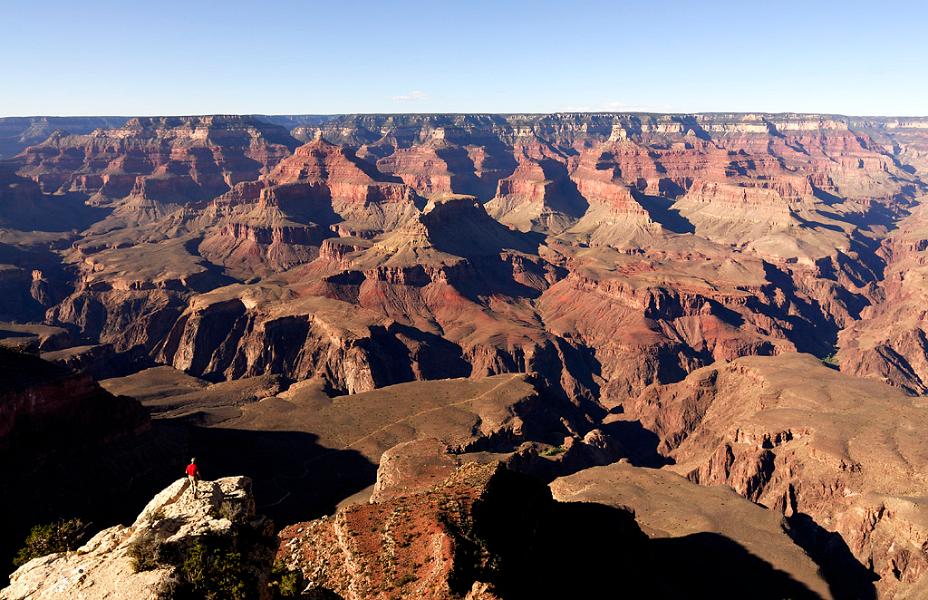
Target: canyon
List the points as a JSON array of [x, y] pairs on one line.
[[646, 322]]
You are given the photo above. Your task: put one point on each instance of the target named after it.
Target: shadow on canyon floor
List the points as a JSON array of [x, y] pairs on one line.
[[580, 549], [846, 576], [295, 479], [640, 444], [709, 565], [661, 209], [101, 484], [586, 550]]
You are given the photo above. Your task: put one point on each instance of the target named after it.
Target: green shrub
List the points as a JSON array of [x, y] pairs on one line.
[[145, 551], [212, 568], [285, 583], [832, 360], [64, 535], [554, 451], [227, 566], [229, 510]]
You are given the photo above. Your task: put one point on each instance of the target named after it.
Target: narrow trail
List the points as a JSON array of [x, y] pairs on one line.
[[349, 446], [434, 409]]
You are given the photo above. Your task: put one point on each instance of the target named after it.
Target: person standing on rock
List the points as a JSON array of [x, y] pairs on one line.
[[193, 475]]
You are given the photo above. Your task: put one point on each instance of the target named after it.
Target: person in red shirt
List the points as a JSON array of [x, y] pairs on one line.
[[193, 475]]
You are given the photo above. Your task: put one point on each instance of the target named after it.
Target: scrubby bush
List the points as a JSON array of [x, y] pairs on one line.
[[832, 360], [553, 451], [232, 566], [145, 551], [285, 583], [213, 569], [232, 511], [64, 535]]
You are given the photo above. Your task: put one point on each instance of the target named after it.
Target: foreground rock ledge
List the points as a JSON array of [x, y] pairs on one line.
[[103, 567]]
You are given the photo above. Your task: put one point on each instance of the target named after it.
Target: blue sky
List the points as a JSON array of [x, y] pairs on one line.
[[131, 57]]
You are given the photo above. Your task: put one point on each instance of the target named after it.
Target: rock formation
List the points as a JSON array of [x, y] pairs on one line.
[[448, 527], [889, 341], [18, 133], [145, 559], [66, 446], [828, 451], [168, 159], [371, 212], [44, 407]]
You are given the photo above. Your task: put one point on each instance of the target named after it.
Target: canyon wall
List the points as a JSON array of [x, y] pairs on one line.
[[644, 269], [602, 251]]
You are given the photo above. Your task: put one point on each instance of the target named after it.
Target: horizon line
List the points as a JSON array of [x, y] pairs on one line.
[[474, 113]]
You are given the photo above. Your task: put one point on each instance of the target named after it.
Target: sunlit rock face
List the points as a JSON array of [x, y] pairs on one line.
[[602, 251]]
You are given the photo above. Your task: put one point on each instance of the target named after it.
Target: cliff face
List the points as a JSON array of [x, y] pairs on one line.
[[18, 133], [66, 446], [430, 545], [158, 158], [828, 451], [45, 406], [889, 341]]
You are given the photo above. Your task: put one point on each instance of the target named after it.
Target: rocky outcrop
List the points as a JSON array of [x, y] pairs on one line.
[[463, 526], [67, 447], [34, 337], [328, 554], [832, 453], [890, 341], [537, 196], [99, 361], [413, 467], [646, 329], [353, 351], [473, 535], [131, 295], [145, 559], [423, 168], [281, 220], [364, 198]]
